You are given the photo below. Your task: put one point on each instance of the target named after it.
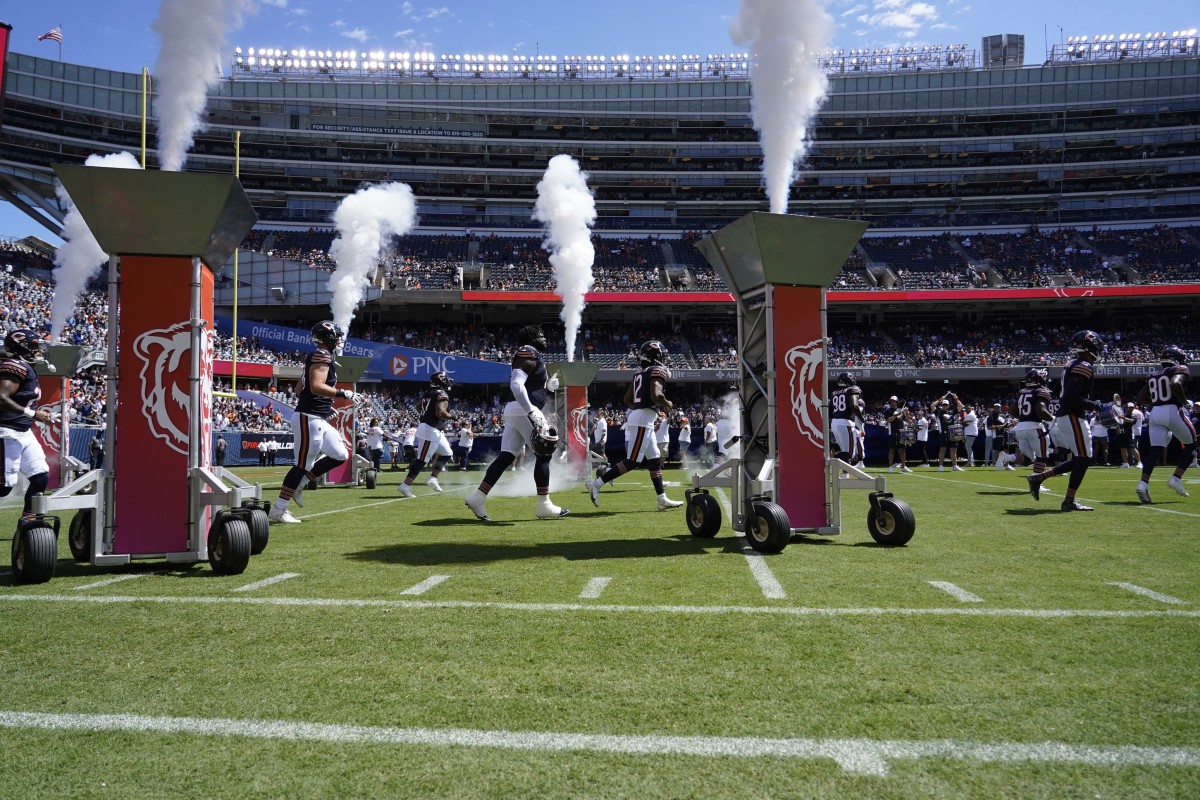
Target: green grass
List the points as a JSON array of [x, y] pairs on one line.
[[681, 643]]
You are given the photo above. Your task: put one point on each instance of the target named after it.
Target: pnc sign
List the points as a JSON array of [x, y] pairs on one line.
[[399, 366]]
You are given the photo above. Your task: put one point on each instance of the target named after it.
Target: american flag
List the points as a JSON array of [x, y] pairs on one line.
[[54, 35]]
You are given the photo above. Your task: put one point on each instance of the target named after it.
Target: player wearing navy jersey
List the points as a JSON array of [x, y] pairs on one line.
[[431, 444], [1164, 392], [19, 394], [1033, 410], [524, 423], [846, 413], [645, 399], [318, 446], [1075, 400]]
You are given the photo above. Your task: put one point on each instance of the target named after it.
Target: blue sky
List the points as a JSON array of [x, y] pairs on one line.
[[94, 35]]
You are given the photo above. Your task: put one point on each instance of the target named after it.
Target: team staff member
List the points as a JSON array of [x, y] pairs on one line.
[[970, 432], [431, 443], [993, 424], [19, 393], [1076, 401], [600, 435], [947, 411], [318, 446], [648, 405], [896, 416], [1164, 391], [529, 384]]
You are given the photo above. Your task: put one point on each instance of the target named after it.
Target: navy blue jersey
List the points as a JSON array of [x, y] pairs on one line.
[[315, 404], [429, 413], [28, 392], [945, 419], [535, 384], [843, 403], [1160, 382], [1055, 406], [1028, 401], [642, 379], [1076, 394]]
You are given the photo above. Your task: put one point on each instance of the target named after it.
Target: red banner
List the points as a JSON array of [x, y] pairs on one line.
[[601, 297], [799, 398], [151, 496], [577, 422], [343, 422], [245, 369], [54, 437]]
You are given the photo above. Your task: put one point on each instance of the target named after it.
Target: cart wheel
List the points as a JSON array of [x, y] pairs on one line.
[[703, 516], [34, 554], [229, 545], [369, 478], [260, 529], [895, 523], [311, 485], [79, 535], [768, 529]]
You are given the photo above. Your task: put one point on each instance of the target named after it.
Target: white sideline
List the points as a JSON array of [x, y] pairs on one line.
[[961, 595], [1153, 595], [771, 588], [1016, 490], [108, 581], [855, 756], [249, 587], [594, 588], [427, 584]]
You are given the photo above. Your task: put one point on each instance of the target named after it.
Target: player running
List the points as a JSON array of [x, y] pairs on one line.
[[430, 442], [1164, 391]]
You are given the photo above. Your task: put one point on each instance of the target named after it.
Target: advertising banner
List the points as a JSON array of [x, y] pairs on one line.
[[577, 420], [343, 422], [54, 437], [799, 405]]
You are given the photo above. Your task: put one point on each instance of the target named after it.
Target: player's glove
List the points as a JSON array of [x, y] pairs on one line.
[[552, 383], [347, 394], [538, 420]]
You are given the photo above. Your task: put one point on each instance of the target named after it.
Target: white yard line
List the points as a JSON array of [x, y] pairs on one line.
[[787, 611], [595, 587], [427, 584], [450, 490], [250, 587], [771, 588], [958, 594], [1153, 595], [856, 756], [108, 581]]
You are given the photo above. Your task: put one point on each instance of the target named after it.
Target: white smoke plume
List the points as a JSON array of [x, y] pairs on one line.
[[79, 258], [193, 34], [364, 221], [786, 84], [567, 210]]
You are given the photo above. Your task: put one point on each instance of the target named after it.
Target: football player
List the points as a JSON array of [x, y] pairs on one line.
[[846, 409], [318, 446], [19, 394], [896, 416], [1164, 391], [1033, 409], [524, 422], [645, 399], [430, 442], [1075, 401], [947, 410], [1059, 437]]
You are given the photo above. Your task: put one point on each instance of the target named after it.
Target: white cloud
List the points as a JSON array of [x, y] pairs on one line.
[[405, 32], [852, 10], [276, 3], [406, 8], [337, 23], [359, 35], [898, 17]]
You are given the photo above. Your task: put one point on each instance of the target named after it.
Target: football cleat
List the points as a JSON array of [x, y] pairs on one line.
[[666, 503], [547, 510], [477, 502], [1071, 505], [432, 483], [1176, 484], [594, 491], [284, 517], [298, 495], [904, 468], [1143, 492], [957, 468], [1035, 486], [405, 490]]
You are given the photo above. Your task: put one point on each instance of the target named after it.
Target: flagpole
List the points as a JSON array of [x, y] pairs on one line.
[[60, 42]]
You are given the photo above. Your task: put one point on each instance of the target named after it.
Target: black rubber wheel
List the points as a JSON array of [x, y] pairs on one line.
[[260, 529], [229, 546], [311, 485], [34, 554], [703, 516], [895, 523], [79, 535], [369, 478], [768, 529]]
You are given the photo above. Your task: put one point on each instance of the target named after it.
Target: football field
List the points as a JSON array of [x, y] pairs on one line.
[[393, 647]]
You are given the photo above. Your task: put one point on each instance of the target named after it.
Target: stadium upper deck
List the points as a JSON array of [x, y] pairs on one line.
[[927, 143]]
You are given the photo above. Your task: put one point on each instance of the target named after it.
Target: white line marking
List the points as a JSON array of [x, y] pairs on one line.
[[856, 756], [958, 594], [771, 588], [427, 584], [788, 611], [594, 588], [1153, 595], [108, 581], [249, 587], [451, 490]]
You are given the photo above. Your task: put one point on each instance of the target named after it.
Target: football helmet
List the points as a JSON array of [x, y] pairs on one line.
[[544, 442], [1171, 355], [327, 335], [653, 352], [1035, 376], [1088, 343], [24, 343], [440, 380], [845, 379]]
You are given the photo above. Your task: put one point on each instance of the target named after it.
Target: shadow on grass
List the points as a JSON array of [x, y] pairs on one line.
[[1007, 493], [1032, 512], [485, 553], [799, 538]]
